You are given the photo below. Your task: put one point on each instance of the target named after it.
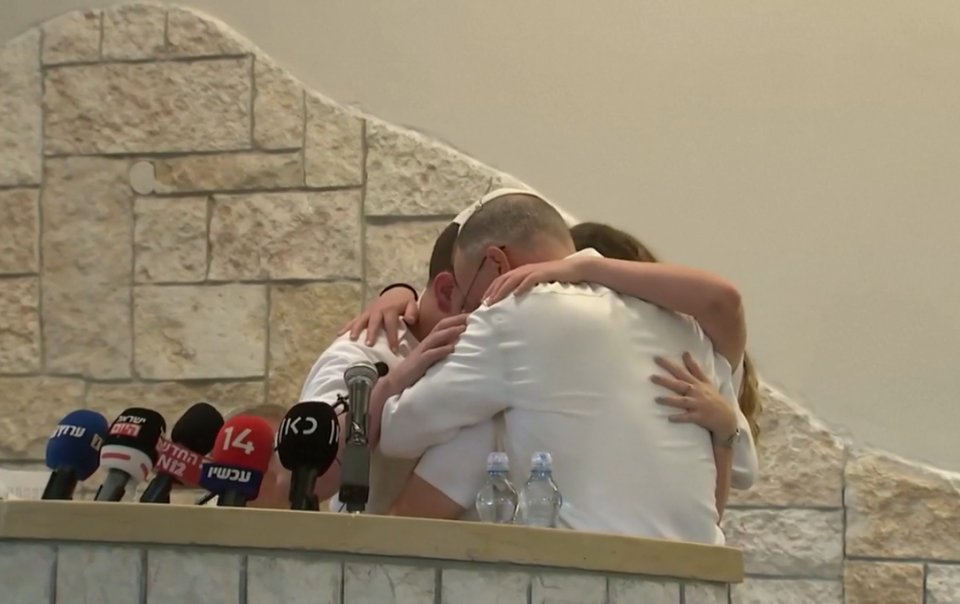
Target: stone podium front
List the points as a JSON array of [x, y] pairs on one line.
[[116, 553]]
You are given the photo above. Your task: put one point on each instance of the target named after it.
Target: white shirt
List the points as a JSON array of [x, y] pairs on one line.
[[571, 365], [746, 464], [445, 467]]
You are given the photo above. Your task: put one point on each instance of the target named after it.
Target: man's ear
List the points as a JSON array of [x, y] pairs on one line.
[[499, 258], [444, 292]]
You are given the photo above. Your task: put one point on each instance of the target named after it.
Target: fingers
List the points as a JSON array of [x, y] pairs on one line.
[[677, 402], [391, 326], [374, 321], [527, 284], [678, 386], [435, 355], [412, 313], [684, 418], [502, 287], [443, 337], [694, 369], [452, 321], [673, 369], [358, 325]]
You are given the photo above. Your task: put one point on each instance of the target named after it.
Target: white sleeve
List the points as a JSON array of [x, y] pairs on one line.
[[461, 390], [325, 381], [458, 468], [746, 464]]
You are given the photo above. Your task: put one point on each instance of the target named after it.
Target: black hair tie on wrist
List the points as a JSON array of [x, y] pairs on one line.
[[416, 295]]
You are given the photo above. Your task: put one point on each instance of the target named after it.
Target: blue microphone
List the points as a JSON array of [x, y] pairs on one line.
[[73, 452]]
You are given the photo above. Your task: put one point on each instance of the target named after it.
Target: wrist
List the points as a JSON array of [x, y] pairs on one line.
[[585, 268], [408, 287], [727, 438]]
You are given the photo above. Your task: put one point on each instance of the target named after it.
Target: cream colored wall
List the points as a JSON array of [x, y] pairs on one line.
[[806, 149]]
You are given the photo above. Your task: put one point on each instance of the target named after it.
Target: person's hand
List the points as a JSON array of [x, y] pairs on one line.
[[523, 279], [385, 312], [435, 347], [695, 394]]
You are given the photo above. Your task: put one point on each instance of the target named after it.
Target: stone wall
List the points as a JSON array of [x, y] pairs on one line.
[[181, 220], [34, 573]]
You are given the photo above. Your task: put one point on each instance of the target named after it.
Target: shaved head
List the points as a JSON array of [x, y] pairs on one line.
[[519, 220]]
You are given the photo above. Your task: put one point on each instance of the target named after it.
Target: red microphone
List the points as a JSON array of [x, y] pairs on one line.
[[241, 456]]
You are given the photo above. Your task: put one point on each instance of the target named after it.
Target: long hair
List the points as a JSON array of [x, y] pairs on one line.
[[614, 243]]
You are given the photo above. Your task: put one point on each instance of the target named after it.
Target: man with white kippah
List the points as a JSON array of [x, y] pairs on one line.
[[478, 382]]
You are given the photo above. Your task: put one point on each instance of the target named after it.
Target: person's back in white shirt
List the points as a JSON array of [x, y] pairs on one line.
[[571, 365]]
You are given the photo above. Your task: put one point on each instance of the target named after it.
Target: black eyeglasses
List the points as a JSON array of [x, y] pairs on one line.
[[473, 281]]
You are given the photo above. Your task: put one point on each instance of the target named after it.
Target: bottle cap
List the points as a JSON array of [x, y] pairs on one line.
[[542, 461], [498, 462]]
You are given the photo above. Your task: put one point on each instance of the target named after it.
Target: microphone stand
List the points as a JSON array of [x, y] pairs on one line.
[[355, 471]]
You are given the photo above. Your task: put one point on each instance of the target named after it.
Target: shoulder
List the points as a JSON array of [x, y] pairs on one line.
[[326, 376]]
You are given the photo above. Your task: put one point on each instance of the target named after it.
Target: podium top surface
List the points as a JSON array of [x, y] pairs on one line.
[[176, 525]]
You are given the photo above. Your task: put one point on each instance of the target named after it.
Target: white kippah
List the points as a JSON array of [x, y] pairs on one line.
[[497, 193]]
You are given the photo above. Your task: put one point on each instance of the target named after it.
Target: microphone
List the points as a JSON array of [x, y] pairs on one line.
[[355, 472], [181, 457], [241, 456], [307, 443], [73, 452], [129, 451]]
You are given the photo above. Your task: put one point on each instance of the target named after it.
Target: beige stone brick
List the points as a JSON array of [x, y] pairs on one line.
[[19, 325], [193, 34], [801, 461], [278, 107], [171, 399], [409, 174], [87, 265], [883, 583], [400, 252], [228, 172], [72, 37], [21, 117], [170, 240], [200, 332], [134, 31], [304, 320], [150, 107], [900, 510], [788, 542], [19, 225], [30, 408], [293, 235], [334, 144]]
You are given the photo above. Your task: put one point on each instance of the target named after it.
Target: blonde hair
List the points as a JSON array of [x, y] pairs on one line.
[[614, 243]]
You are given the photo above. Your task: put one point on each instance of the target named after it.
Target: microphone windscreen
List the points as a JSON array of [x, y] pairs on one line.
[[244, 442], [197, 428], [139, 429], [76, 442], [309, 436]]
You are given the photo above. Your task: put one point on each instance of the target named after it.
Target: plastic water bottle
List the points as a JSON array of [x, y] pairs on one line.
[[497, 499], [540, 498]]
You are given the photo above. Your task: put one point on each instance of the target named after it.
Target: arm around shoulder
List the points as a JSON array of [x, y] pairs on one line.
[[461, 390]]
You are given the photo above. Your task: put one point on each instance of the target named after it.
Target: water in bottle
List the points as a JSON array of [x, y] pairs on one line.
[[497, 500], [540, 498]]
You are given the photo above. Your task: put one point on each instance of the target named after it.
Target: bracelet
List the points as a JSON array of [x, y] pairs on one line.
[[416, 296], [729, 442]]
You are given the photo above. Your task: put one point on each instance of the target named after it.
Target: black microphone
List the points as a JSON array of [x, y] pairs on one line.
[[360, 379], [129, 451], [73, 452], [180, 459], [307, 444]]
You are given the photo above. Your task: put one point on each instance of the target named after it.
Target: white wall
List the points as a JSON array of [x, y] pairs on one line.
[[809, 150]]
